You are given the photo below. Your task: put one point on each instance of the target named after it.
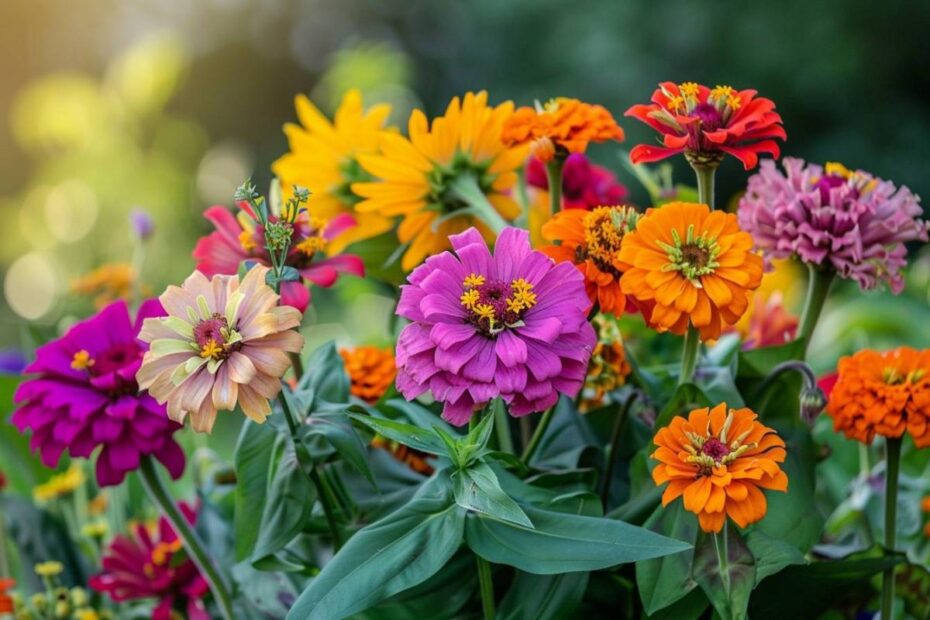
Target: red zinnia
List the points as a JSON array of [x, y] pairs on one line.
[[705, 123]]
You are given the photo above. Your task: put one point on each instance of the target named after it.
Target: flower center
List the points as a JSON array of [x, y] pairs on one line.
[[709, 115], [215, 339], [708, 452], [715, 449], [313, 240], [493, 306], [694, 257], [82, 360], [892, 376], [604, 228]]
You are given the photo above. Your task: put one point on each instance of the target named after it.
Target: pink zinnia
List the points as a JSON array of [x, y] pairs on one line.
[[512, 325], [223, 343], [851, 221], [584, 185], [240, 239], [145, 567], [86, 396]]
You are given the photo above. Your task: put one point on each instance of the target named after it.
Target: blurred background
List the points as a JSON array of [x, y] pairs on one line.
[[167, 106]]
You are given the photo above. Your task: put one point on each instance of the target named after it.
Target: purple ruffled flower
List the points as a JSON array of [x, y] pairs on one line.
[[512, 325], [851, 221], [86, 396]]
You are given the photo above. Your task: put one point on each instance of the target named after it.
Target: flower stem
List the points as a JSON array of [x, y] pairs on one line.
[[530, 450], [705, 183], [689, 355], [486, 586], [554, 178], [723, 561], [502, 426], [610, 458], [818, 287], [892, 465], [466, 189], [153, 484], [5, 570]]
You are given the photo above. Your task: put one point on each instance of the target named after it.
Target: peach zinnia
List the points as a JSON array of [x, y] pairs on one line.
[[591, 241], [371, 371], [719, 460], [693, 264], [224, 343], [560, 127], [884, 394]]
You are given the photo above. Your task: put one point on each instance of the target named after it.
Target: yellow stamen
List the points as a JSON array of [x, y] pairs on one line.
[[469, 298], [163, 551], [247, 241], [474, 280], [689, 90], [522, 296], [676, 103], [722, 92], [211, 350], [311, 245], [734, 102], [82, 360]]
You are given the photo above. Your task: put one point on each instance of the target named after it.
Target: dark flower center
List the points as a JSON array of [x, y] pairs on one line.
[[213, 336], [695, 256], [494, 305], [715, 449], [709, 115], [116, 357]]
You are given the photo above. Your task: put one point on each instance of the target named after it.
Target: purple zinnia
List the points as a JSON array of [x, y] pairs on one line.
[[848, 220], [512, 325], [86, 396]]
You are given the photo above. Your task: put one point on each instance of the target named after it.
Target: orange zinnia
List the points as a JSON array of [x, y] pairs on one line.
[[371, 371], [693, 264], [883, 393], [561, 126], [6, 601], [591, 240], [719, 460]]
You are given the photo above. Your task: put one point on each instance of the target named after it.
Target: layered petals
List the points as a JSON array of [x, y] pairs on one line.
[[560, 127]]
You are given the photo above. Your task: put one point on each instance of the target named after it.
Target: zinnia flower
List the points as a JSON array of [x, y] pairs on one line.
[[224, 343], [6, 601], [560, 127], [694, 264], [720, 459], [371, 371], [512, 325], [884, 394], [86, 396], [106, 283], [240, 238], [323, 157], [852, 222], [585, 185], [705, 123], [445, 178], [767, 323], [147, 566], [608, 368], [591, 240]]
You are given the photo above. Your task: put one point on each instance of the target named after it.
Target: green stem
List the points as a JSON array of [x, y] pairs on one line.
[[610, 458], [723, 561], [530, 450], [689, 355], [818, 287], [892, 465], [324, 491], [5, 570], [153, 484], [486, 586], [554, 178], [705, 183], [502, 426], [466, 189]]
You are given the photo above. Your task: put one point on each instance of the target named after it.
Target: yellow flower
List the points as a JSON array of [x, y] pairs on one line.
[[59, 485], [323, 158], [49, 569], [107, 283], [443, 175]]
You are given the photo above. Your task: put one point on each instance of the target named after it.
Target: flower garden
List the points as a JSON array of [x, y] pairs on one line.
[[581, 406]]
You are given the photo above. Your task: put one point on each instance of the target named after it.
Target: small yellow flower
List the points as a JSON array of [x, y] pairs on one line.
[[59, 485], [97, 529], [49, 569]]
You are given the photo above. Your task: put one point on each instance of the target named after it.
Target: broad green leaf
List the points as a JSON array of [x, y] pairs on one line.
[[543, 597], [325, 375], [477, 488], [566, 440], [417, 415], [771, 554], [663, 581], [686, 398], [441, 597], [287, 507], [268, 592], [14, 446], [563, 542], [255, 452], [412, 436], [389, 556], [740, 568], [334, 425], [481, 433]]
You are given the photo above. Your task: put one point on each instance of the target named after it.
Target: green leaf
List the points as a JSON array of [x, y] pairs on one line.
[[417, 415], [771, 554], [411, 436], [288, 507], [481, 432], [255, 452], [268, 592], [326, 375], [664, 581], [543, 597], [477, 488], [685, 398], [563, 542], [740, 567], [334, 426], [389, 556]]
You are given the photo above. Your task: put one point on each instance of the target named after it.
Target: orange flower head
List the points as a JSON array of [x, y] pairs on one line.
[[371, 371], [884, 394], [6, 601], [106, 283], [411, 457], [719, 460], [925, 506], [690, 264], [560, 127], [608, 368], [591, 240]]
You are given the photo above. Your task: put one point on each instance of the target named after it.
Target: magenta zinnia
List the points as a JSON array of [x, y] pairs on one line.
[[848, 220], [86, 396], [149, 566], [510, 325], [223, 343]]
